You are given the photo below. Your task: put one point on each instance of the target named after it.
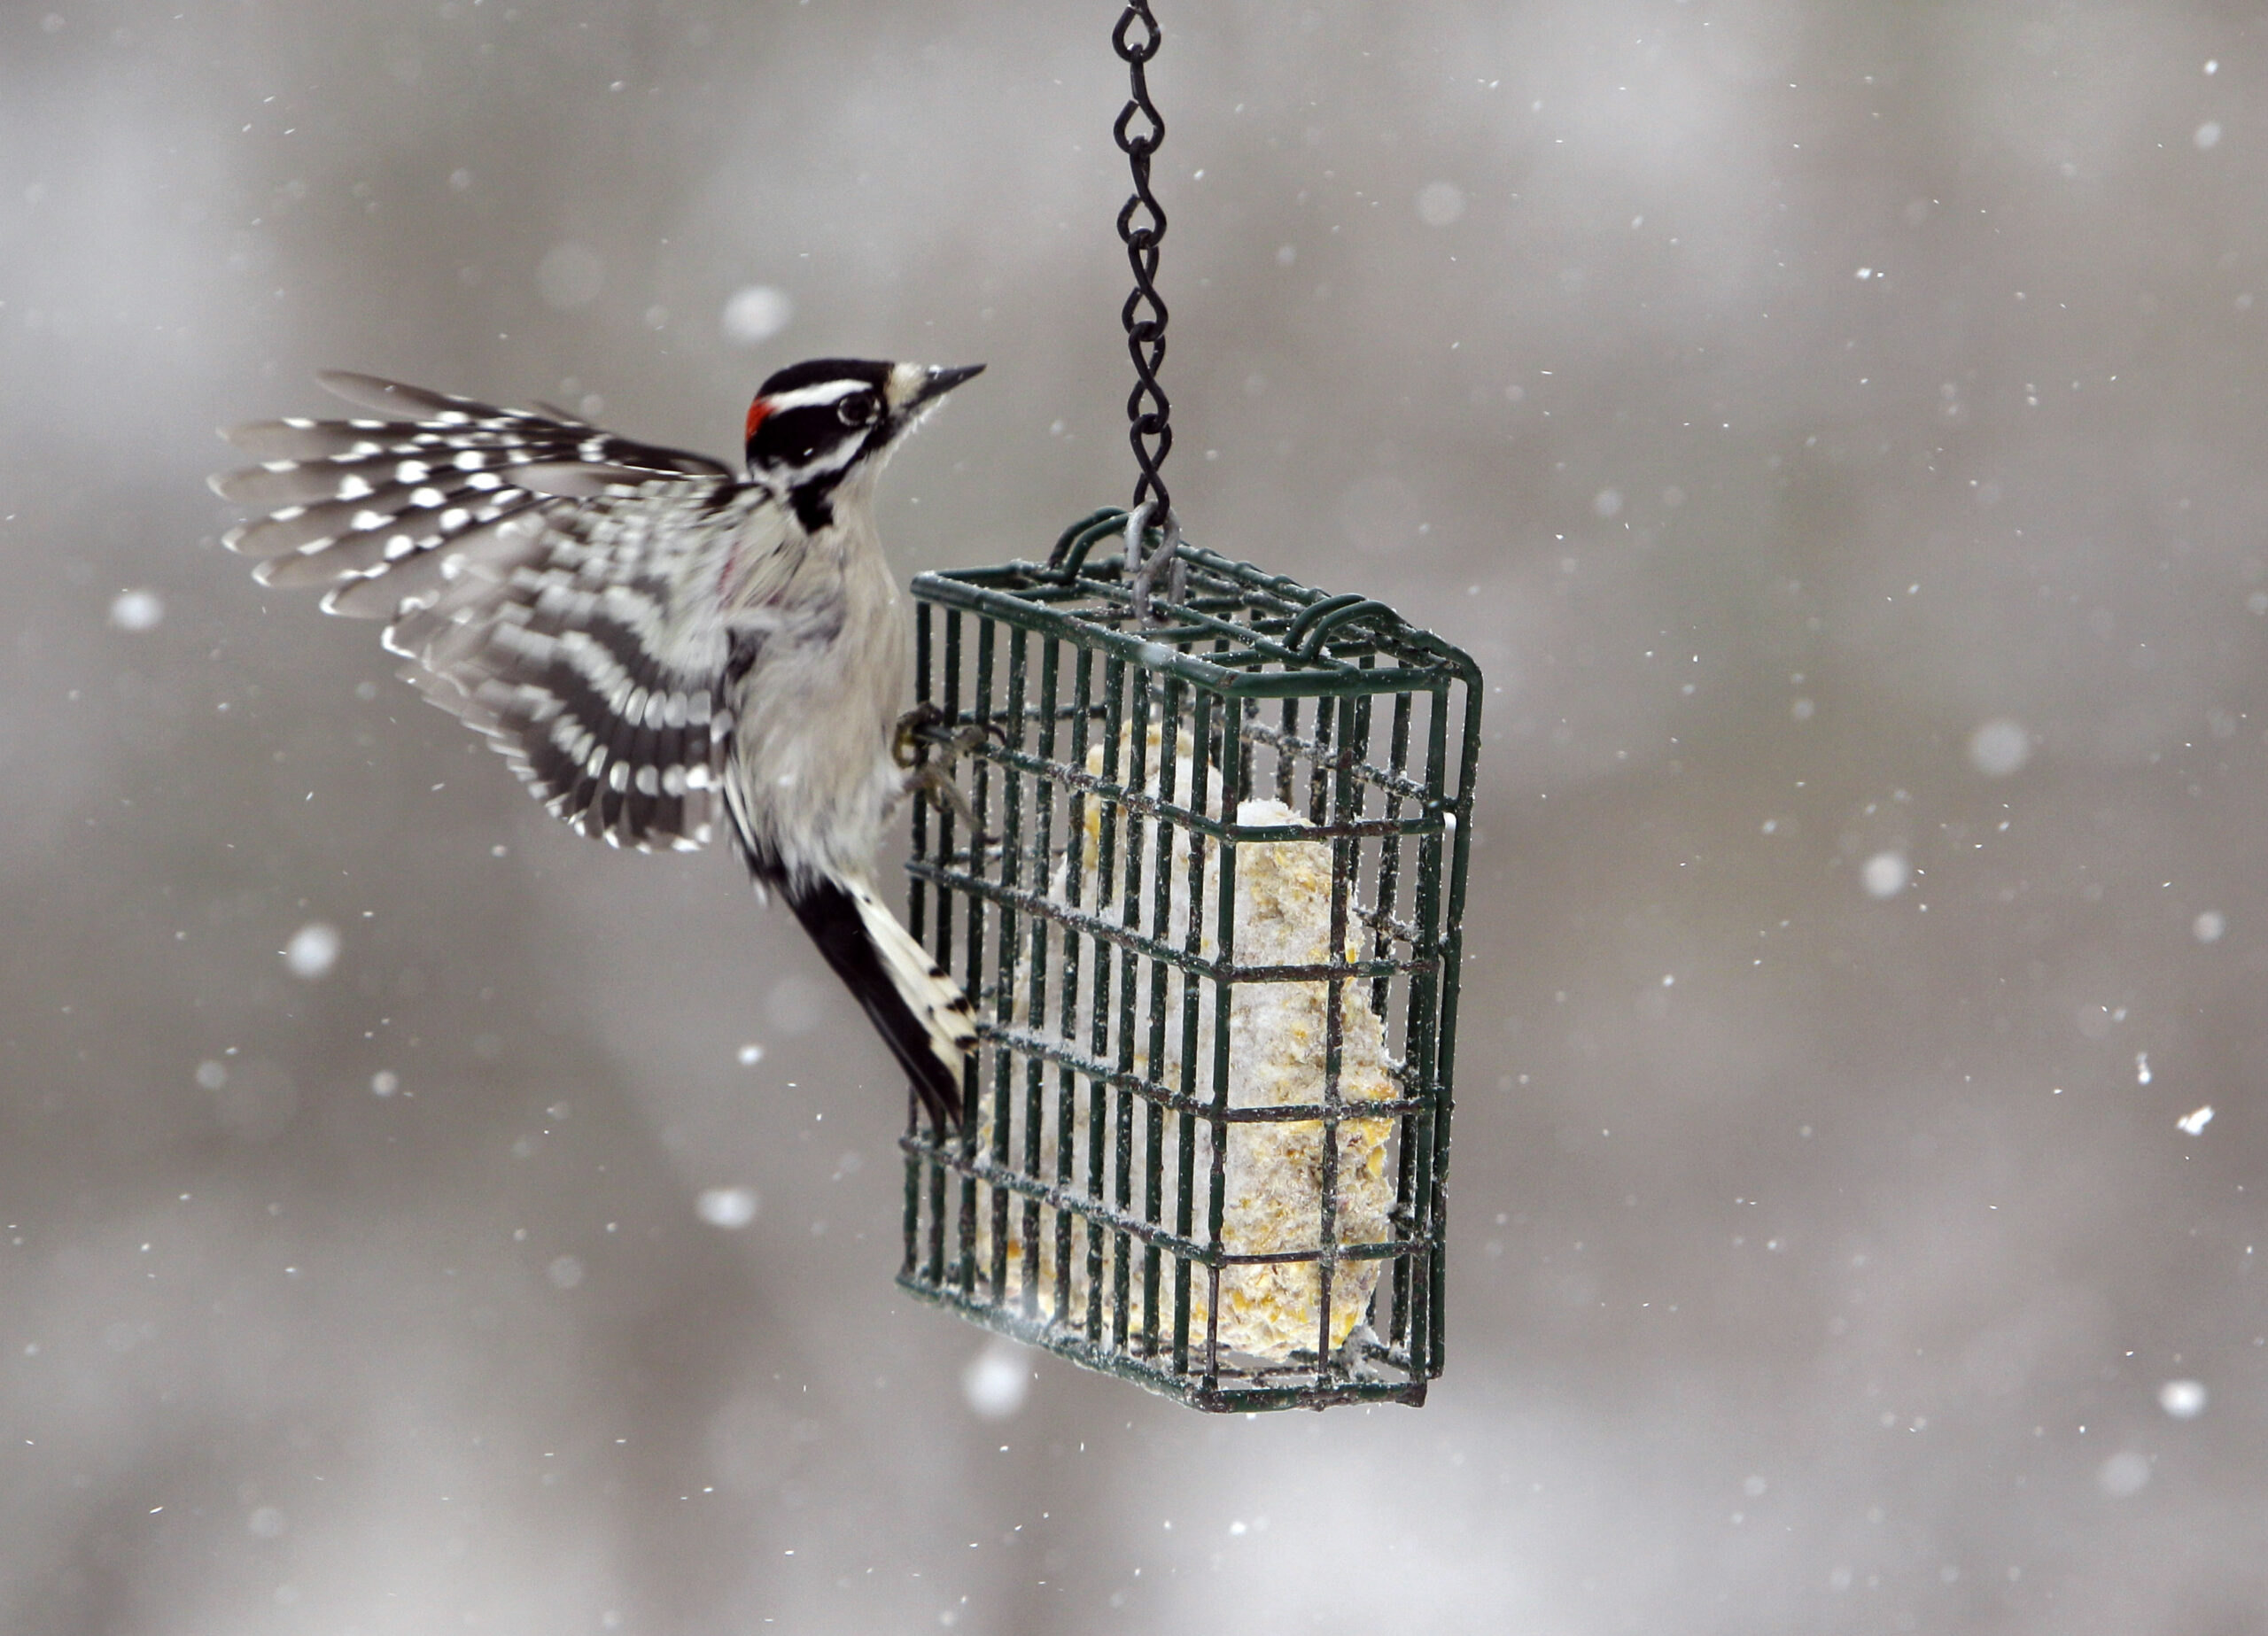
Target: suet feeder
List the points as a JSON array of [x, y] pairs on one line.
[[1211, 920], [1206, 899]]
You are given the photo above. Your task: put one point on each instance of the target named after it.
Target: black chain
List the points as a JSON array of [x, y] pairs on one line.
[[1149, 428]]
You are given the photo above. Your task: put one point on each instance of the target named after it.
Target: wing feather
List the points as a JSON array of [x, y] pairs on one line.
[[551, 584]]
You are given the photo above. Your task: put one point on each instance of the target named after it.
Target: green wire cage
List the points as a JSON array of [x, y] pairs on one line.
[[1209, 914]]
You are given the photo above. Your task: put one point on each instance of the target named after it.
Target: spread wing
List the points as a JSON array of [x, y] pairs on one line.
[[553, 584]]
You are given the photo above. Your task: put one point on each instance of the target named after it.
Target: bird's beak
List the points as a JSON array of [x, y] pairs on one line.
[[943, 379]]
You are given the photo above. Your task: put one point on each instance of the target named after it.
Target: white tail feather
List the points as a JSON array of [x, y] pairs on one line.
[[933, 997]]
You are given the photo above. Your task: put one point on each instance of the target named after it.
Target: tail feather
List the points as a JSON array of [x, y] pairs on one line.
[[922, 1013]]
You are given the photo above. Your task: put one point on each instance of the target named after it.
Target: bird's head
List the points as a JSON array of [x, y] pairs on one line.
[[817, 427]]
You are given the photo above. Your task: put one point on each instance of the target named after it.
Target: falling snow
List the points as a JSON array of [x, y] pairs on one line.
[[2000, 747], [1886, 874], [728, 1207], [756, 313], [1440, 203], [137, 610], [2184, 1400], [1547, 327], [313, 951], [998, 1379], [2123, 1475]]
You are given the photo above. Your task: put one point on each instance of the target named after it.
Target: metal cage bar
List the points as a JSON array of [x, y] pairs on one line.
[[1213, 950]]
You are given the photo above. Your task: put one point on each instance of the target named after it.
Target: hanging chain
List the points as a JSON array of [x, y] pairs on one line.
[[1148, 427]]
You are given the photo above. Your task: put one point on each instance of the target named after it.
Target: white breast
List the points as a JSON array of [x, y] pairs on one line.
[[812, 774]]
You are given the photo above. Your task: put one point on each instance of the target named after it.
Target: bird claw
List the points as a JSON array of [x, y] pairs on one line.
[[931, 781], [909, 748], [934, 779], [906, 746]]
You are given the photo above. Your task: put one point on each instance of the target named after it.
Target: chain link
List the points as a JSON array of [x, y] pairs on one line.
[[1149, 428]]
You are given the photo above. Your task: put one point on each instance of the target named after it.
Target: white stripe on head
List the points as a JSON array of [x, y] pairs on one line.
[[835, 459], [905, 384], [805, 397]]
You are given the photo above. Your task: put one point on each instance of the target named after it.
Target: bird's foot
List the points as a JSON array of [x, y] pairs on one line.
[[933, 782], [910, 748], [906, 746], [933, 779]]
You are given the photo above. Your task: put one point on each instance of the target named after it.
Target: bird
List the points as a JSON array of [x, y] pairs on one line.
[[659, 648]]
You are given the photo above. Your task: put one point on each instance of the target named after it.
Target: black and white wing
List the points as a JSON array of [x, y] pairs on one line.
[[553, 584]]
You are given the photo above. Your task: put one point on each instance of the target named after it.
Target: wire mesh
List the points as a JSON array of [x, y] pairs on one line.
[[1210, 917]]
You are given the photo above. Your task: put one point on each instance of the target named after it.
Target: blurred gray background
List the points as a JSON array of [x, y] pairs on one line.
[[1835, 427]]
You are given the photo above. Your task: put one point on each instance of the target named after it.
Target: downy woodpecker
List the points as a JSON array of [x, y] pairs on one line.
[[652, 642]]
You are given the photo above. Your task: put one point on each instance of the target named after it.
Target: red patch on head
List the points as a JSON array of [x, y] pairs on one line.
[[756, 411]]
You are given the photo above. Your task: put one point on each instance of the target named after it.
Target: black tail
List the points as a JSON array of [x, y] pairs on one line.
[[921, 1012]]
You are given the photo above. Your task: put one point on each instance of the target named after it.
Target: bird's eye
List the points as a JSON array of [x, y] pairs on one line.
[[859, 409]]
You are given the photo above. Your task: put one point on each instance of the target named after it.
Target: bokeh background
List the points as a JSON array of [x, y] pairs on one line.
[[1835, 429]]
